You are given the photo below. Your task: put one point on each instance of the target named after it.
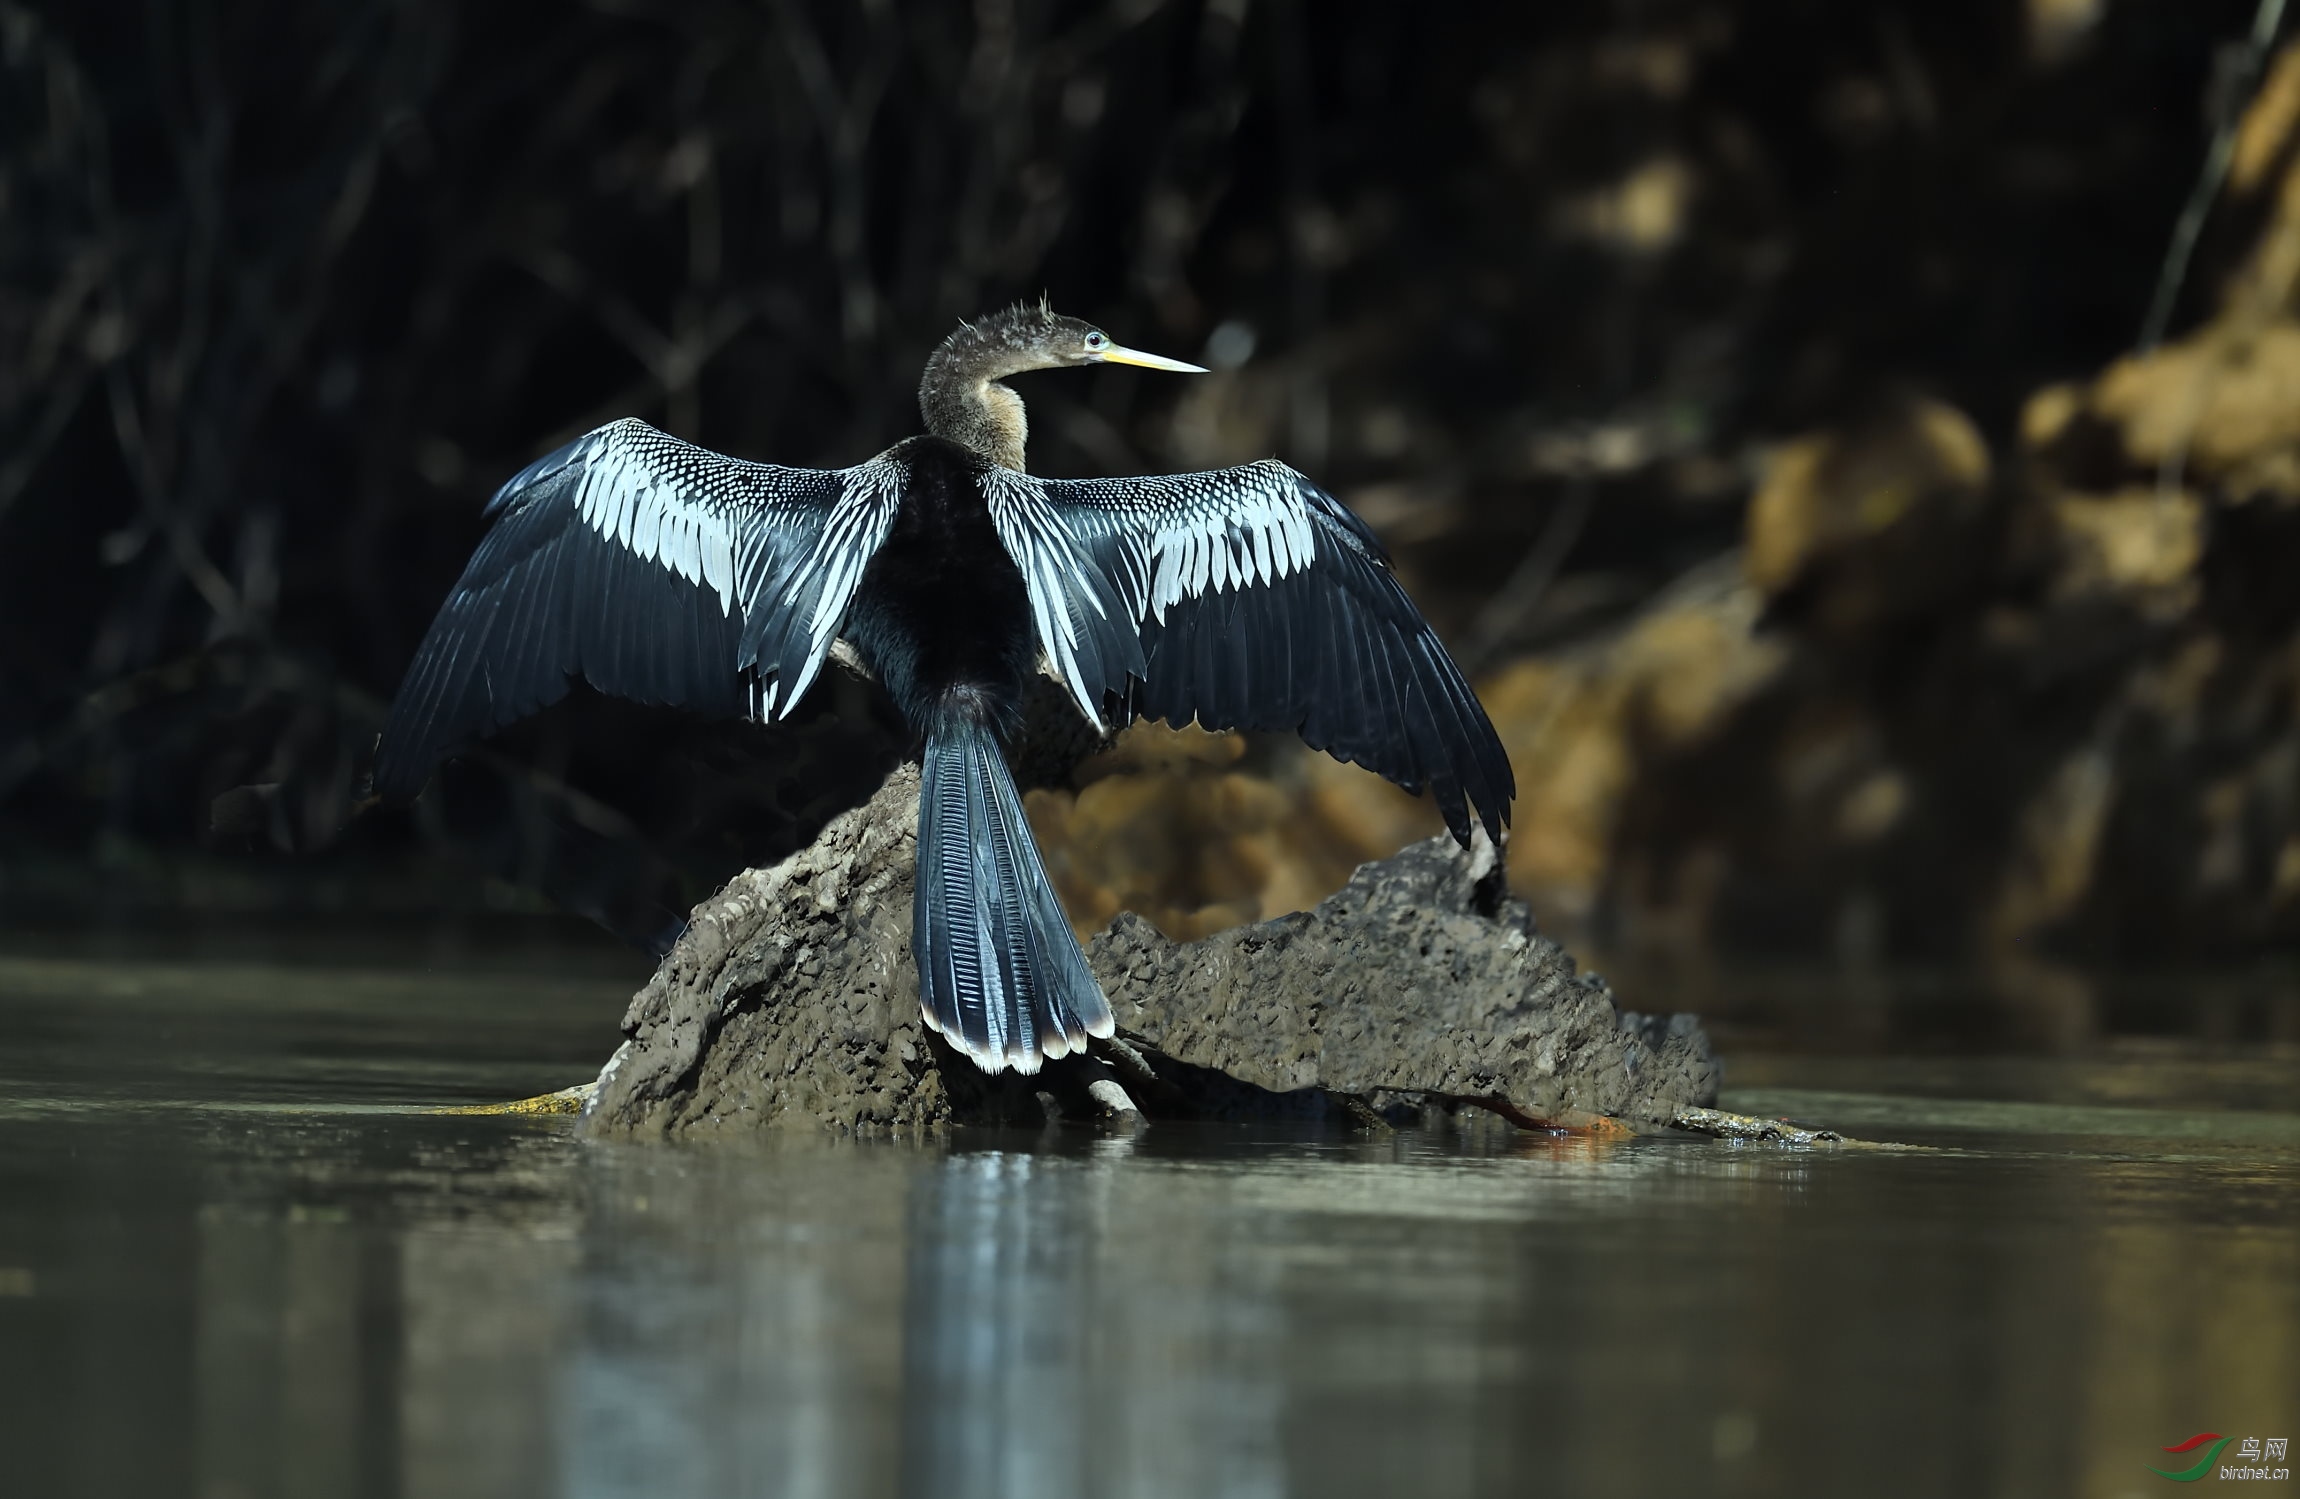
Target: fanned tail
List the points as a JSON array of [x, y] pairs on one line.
[[999, 973]]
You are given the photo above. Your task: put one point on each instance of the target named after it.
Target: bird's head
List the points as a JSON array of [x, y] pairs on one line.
[[1032, 336], [962, 395]]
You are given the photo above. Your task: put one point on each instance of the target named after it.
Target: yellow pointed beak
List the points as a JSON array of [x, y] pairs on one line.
[[1117, 355]]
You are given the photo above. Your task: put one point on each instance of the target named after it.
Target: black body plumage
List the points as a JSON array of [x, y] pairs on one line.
[[1243, 598], [942, 605]]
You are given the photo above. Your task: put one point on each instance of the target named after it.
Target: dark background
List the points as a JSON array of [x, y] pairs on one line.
[[287, 289]]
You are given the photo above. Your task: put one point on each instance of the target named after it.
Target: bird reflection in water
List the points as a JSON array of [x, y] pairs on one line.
[[1008, 1383]]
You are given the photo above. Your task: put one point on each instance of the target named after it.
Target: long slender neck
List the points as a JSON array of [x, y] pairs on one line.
[[961, 397]]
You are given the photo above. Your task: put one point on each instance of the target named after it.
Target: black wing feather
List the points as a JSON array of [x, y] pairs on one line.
[[650, 568], [1299, 624]]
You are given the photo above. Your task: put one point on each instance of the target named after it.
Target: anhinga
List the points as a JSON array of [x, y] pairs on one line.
[[1243, 598]]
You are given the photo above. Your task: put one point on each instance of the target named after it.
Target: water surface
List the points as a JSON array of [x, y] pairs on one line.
[[241, 1255]]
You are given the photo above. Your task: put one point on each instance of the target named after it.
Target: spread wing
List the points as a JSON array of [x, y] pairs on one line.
[[1249, 598], [650, 568]]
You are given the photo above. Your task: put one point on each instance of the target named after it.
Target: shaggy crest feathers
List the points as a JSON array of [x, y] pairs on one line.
[[1024, 328]]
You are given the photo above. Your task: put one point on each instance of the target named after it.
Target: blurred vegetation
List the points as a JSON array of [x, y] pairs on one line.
[[1746, 390]]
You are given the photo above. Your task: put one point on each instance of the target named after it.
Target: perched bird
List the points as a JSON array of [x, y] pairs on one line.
[[1243, 598]]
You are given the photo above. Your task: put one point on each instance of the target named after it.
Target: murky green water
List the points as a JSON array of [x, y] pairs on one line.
[[238, 1258]]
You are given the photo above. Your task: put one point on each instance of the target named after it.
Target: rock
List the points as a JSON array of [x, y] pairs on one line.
[[791, 1001], [791, 998], [1871, 520], [1416, 977], [1584, 727]]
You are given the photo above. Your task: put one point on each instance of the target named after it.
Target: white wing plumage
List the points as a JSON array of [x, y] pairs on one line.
[[1248, 598], [654, 570]]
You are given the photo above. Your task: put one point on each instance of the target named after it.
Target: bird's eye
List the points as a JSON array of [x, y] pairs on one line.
[[1097, 341]]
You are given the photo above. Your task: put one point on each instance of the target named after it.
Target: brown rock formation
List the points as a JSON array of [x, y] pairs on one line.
[[791, 1001]]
